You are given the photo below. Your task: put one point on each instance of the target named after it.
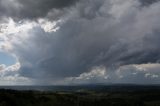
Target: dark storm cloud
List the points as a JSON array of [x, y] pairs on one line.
[[32, 9], [108, 33], [148, 2]]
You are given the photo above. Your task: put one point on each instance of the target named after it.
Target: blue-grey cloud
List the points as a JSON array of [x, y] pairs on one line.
[[108, 33], [29, 9]]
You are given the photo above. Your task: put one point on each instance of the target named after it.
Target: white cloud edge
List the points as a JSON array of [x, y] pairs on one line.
[[100, 74]]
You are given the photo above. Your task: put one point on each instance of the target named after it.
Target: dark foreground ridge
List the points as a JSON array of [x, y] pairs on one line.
[[84, 96]]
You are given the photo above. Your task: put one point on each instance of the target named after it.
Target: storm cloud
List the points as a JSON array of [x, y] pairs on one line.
[[29, 9], [148, 2], [111, 36]]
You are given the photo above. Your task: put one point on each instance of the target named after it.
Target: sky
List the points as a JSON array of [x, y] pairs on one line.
[[68, 42]]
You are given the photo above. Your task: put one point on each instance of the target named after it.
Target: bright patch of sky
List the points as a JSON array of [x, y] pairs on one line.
[[7, 59]]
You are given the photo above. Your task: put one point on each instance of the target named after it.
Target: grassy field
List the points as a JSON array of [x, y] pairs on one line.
[[79, 98]]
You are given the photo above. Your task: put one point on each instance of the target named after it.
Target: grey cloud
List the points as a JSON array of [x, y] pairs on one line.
[[29, 9], [92, 33], [148, 2], [2, 67], [9, 75], [140, 74], [134, 74]]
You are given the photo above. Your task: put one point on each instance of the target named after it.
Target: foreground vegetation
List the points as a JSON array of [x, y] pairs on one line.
[[80, 98]]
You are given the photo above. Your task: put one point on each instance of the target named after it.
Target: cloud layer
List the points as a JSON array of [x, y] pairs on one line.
[[135, 74], [29, 9], [83, 41]]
